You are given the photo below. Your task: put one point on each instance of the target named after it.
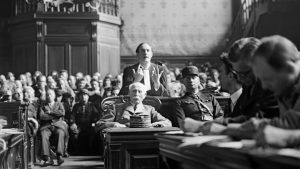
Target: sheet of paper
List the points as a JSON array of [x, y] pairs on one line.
[[199, 140], [236, 144], [289, 152]]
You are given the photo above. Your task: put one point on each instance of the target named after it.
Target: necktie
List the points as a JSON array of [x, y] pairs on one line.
[[147, 79]]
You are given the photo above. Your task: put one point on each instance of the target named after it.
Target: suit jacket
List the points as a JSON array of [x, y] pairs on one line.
[[128, 79], [253, 102], [126, 110], [289, 104], [52, 116]]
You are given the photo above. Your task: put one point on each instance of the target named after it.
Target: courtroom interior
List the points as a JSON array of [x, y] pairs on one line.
[[149, 84]]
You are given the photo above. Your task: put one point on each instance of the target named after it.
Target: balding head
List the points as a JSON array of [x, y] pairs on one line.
[[277, 51], [277, 64]]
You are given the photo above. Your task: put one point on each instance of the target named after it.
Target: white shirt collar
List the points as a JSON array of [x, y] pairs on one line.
[[235, 96]]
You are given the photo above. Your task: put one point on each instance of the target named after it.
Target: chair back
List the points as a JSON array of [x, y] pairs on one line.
[[15, 113], [115, 103]]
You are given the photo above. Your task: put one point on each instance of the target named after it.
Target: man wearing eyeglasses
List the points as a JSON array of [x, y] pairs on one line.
[[253, 102]]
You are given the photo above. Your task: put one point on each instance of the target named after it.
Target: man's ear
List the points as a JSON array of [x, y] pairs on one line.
[[145, 95]]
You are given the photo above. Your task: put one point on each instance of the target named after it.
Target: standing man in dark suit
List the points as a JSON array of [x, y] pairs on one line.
[[150, 74], [50, 117]]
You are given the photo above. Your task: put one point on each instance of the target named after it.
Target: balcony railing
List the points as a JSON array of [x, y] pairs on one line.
[[109, 7], [242, 18], [249, 11]]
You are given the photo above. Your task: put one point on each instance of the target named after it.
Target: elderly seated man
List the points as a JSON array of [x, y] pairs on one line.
[[137, 93]]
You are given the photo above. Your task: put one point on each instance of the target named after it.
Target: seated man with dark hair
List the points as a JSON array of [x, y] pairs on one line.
[[134, 107], [50, 117]]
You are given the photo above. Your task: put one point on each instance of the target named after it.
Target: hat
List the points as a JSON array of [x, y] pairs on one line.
[[190, 70]]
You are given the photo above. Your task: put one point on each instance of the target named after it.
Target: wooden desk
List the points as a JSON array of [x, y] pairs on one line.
[[132, 148], [13, 156], [209, 156]]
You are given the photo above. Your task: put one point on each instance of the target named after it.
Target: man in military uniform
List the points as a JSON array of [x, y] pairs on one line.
[[194, 104]]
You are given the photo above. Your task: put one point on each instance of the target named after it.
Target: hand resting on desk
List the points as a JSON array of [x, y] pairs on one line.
[[245, 130], [211, 127], [277, 137], [208, 127], [191, 125], [157, 125]]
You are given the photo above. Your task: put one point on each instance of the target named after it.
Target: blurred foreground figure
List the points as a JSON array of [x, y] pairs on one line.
[[277, 64]]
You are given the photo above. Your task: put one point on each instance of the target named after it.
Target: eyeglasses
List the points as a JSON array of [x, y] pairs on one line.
[[242, 74]]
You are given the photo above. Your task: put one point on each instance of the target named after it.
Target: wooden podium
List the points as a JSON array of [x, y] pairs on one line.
[[133, 148]]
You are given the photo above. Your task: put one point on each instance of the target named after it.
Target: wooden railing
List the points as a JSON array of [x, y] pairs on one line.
[[109, 7], [248, 12], [242, 19]]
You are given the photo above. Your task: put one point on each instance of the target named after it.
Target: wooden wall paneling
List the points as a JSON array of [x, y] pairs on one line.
[[23, 59], [68, 28], [108, 45], [55, 56], [4, 45], [93, 45], [40, 47], [23, 41], [66, 41], [136, 157], [80, 58]]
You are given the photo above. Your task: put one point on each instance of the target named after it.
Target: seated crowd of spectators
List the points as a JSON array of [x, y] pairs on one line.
[[80, 96]]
